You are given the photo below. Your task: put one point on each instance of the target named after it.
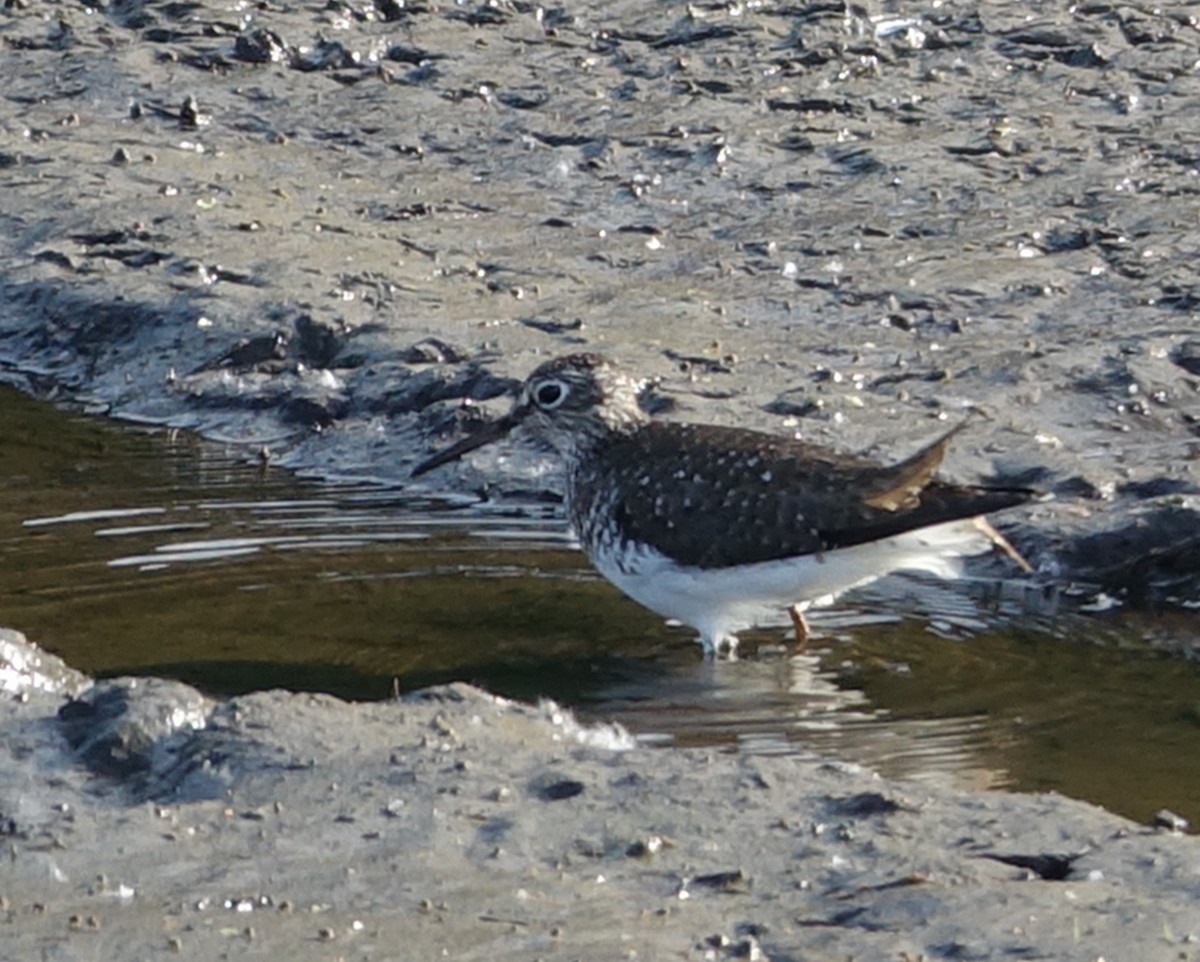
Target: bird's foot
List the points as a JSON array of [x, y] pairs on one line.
[[799, 626], [1002, 544], [725, 646]]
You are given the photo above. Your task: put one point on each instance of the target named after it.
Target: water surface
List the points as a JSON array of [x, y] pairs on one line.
[[130, 550]]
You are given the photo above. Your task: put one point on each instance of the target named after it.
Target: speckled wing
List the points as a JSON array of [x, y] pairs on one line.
[[716, 497]]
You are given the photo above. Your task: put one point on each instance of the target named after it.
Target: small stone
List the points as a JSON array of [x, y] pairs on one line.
[[443, 727], [749, 949], [644, 848], [1165, 818]]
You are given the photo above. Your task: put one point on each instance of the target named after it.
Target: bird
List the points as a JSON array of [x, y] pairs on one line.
[[727, 528]]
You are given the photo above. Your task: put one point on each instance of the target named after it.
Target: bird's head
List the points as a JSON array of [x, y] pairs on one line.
[[566, 403]]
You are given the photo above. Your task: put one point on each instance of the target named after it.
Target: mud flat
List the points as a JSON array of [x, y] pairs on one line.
[[142, 821]]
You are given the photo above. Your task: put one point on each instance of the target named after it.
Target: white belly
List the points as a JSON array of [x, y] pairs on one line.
[[722, 601]]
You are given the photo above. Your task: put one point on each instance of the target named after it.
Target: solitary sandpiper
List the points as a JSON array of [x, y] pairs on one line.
[[725, 528]]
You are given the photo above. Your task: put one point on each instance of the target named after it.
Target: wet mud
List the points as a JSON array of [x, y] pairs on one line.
[[144, 820]]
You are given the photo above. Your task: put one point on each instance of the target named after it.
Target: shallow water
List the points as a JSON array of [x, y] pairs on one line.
[[130, 550]]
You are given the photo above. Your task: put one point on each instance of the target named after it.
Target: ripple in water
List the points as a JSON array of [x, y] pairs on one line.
[[131, 550]]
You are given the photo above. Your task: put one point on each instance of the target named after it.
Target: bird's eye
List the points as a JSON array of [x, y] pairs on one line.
[[550, 394]]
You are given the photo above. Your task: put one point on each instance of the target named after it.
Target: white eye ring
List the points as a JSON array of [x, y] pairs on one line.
[[550, 394]]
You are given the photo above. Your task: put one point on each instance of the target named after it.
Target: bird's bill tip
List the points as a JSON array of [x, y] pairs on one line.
[[491, 431]]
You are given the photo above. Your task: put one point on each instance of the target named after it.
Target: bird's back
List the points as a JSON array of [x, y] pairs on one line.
[[714, 497]]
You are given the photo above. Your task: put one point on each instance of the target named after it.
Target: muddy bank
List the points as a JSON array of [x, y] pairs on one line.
[[323, 229], [142, 820]]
